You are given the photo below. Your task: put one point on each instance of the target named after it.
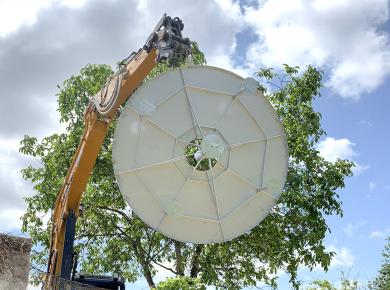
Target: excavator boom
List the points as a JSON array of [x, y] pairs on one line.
[[166, 42]]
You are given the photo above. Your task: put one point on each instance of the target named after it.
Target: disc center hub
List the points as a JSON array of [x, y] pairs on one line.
[[203, 152], [212, 147]]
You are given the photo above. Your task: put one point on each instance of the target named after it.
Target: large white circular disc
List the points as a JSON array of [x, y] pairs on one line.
[[200, 155]]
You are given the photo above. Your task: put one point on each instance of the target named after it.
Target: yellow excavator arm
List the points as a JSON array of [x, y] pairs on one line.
[[165, 42]]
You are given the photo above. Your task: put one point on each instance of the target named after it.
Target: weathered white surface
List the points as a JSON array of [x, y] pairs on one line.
[[235, 125], [14, 262]]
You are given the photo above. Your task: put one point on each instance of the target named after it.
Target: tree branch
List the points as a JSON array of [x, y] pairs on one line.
[[195, 261], [275, 85], [140, 254], [165, 267], [121, 213], [150, 242], [179, 258], [151, 258], [91, 236]]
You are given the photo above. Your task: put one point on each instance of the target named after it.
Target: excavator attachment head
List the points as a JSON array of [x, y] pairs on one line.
[[168, 44], [168, 40]]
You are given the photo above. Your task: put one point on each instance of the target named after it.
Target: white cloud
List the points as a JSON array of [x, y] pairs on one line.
[[213, 24], [72, 3], [332, 149], [98, 32], [371, 186], [365, 122], [360, 168], [380, 234], [10, 219], [351, 228], [17, 13], [12, 187], [342, 258], [342, 37]]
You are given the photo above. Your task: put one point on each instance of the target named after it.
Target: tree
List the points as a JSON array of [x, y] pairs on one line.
[[182, 283], [382, 280], [345, 284], [324, 284], [321, 285], [111, 238]]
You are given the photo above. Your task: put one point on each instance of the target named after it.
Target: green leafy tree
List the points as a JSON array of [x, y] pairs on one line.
[[321, 285], [345, 284], [182, 283], [112, 239], [327, 285], [382, 280]]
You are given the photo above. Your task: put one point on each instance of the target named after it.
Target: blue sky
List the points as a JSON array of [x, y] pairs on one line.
[[46, 42]]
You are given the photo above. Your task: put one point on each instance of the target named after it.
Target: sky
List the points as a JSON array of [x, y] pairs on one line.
[[43, 42]]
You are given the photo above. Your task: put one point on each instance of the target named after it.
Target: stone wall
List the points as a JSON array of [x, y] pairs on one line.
[[14, 262]]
